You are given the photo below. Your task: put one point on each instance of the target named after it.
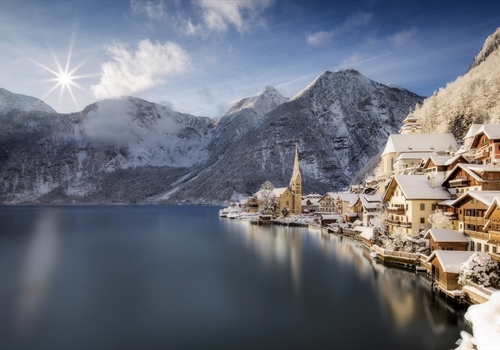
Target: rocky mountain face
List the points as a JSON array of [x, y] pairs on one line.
[[10, 101], [130, 150], [339, 122]]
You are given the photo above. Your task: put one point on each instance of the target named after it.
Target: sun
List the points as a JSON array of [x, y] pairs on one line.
[[65, 79]]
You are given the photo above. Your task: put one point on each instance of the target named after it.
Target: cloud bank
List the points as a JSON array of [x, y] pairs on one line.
[[354, 21], [132, 71]]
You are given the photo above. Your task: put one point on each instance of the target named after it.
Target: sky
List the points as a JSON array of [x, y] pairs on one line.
[[200, 56]]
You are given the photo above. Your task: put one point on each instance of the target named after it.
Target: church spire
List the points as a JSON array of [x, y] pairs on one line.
[[296, 170]]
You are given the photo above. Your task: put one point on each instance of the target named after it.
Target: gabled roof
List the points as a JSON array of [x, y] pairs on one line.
[[279, 191], [415, 187], [450, 260], [495, 203], [474, 170], [472, 130], [348, 197], [485, 197], [331, 194], [436, 159], [416, 155], [492, 132], [440, 235], [454, 159], [370, 201], [364, 232], [419, 143]]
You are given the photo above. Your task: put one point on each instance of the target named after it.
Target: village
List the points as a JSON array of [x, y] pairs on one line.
[[433, 204]]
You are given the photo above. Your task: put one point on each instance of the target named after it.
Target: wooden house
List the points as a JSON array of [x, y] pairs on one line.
[[472, 177], [486, 144], [446, 268], [492, 226], [471, 209], [440, 239]]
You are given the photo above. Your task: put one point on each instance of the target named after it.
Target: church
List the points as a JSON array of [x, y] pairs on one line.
[[291, 197]]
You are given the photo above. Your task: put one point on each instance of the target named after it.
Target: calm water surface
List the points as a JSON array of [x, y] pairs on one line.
[[179, 277]]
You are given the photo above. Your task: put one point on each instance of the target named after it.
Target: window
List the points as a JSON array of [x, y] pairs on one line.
[[479, 248], [422, 206], [422, 220], [494, 249], [472, 246], [461, 227], [434, 207], [486, 248], [407, 206]]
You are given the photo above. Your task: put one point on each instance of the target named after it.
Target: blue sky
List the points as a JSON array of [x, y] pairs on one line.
[[200, 56]]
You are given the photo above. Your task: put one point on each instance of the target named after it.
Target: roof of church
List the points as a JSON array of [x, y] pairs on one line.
[[419, 143]]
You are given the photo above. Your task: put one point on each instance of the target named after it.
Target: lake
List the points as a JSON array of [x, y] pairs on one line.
[[181, 277]]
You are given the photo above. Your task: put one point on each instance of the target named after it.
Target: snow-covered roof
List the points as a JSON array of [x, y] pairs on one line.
[[279, 191], [331, 217], [447, 203], [495, 203], [330, 194], [416, 155], [485, 197], [450, 260], [452, 160], [370, 201], [441, 235], [474, 170], [417, 187], [365, 232], [419, 143], [492, 131], [439, 159], [348, 197], [472, 130]]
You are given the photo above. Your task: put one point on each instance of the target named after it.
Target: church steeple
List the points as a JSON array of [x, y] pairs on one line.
[[296, 184]]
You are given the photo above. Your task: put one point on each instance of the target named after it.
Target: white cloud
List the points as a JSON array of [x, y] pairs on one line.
[[401, 38], [219, 15], [319, 38], [153, 9], [131, 71]]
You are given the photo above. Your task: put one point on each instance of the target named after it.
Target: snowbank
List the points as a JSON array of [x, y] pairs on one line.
[[485, 320]]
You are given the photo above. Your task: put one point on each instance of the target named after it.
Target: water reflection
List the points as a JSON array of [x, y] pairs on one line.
[[404, 297], [39, 266]]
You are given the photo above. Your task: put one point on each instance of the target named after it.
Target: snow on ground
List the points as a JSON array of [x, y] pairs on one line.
[[485, 320]]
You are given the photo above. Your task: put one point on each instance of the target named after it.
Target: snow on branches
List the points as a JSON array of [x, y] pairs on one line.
[[480, 269], [439, 220]]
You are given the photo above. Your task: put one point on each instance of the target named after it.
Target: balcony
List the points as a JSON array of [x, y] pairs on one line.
[[481, 154], [396, 210], [476, 234], [399, 223], [460, 181], [475, 220]]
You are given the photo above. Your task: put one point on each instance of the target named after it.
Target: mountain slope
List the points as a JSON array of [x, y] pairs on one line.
[[339, 122], [11, 101], [52, 157], [471, 98]]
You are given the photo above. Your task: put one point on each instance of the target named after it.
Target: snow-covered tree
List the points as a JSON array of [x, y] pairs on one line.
[[439, 220], [268, 203], [480, 269]]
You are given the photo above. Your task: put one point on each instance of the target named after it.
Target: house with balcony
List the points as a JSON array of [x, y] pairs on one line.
[[329, 203], [472, 177], [471, 209], [367, 207], [424, 145], [439, 166], [492, 226], [486, 144], [410, 200]]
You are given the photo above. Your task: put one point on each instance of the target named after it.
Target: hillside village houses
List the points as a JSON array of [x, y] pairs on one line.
[[418, 174]]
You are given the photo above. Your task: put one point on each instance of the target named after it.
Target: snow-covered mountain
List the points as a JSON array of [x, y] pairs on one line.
[[131, 150], [339, 122], [10, 101]]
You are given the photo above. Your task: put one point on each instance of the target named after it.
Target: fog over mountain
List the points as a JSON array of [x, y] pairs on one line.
[[130, 150]]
